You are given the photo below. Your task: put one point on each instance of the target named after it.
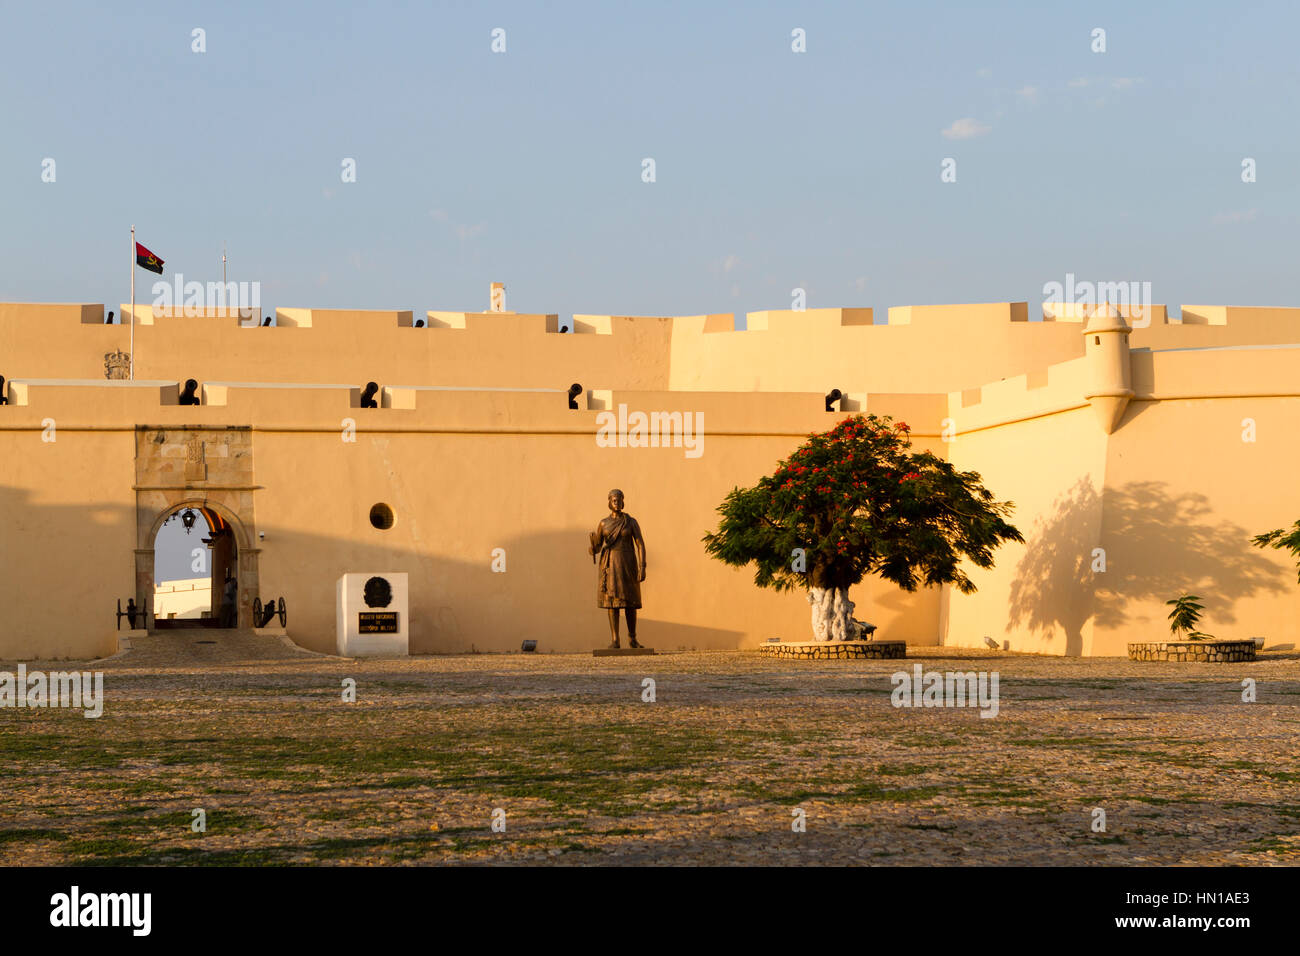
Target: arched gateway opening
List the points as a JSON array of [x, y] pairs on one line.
[[196, 569]]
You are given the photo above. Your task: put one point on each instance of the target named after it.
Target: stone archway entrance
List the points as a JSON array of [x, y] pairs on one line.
[[231, 551], [209, 471], [196, 587]]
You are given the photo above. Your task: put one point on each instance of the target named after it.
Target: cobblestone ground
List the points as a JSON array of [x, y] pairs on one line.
[[709, 773]]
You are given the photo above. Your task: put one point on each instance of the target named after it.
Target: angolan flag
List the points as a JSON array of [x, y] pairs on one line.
[[147, 260]]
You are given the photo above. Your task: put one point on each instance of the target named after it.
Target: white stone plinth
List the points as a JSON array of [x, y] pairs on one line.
[[358, 620]]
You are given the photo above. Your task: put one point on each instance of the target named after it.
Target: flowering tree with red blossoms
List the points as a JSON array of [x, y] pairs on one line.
[[855, 501]]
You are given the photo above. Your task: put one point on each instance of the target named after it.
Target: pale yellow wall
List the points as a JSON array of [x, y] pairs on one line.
[[1172, 498], [458, 496], [184, 597], [470, 471], [1185, 493], [39, 340], [466, 472], [1035, 442], [66, 543], [922, 349], [326, 345], [1219, 325]]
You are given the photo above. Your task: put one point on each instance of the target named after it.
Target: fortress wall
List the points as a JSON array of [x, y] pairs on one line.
[[67, 511], [472, 470], [1204, 326], [1035, 442], [457, 497], [464, 471], [1172, 497], [921, 349], [931, 348], [1043, 392], [322, 345], [924, 415], [1184, 496], [1185, 493], [536, 493], [67, 534], [1216, 371], [1038, 595], [39, 340]]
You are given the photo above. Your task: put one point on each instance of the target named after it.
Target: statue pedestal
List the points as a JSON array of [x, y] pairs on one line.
[[622, 651]]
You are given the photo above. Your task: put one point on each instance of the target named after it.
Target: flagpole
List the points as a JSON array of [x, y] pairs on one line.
[[133, 303]]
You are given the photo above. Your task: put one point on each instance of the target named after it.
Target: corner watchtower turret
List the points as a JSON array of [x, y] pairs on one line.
[[1109, 376]]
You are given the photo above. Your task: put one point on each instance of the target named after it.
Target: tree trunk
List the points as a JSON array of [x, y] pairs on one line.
[[832, 614]]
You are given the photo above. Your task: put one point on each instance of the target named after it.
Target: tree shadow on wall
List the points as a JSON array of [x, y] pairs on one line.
[[1162, 545]]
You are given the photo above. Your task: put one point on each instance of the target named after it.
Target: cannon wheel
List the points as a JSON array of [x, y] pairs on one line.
[[283, 615], [257, 612], [120, 614]]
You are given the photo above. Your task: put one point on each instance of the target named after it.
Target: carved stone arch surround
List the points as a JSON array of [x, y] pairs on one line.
[[198, 467]]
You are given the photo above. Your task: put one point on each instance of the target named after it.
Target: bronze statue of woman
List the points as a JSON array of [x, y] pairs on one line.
[[618, 550]]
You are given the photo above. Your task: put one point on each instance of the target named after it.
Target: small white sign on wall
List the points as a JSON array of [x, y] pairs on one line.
[[373, 615]]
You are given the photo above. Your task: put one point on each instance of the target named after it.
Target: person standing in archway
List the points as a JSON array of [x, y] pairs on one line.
[[229, 595]]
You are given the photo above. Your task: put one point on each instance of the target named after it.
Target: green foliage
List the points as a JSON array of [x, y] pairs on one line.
[[1184, 617], [858, 501], [1283, 540]]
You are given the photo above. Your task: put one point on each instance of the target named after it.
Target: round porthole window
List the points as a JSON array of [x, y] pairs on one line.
[[381, 516]]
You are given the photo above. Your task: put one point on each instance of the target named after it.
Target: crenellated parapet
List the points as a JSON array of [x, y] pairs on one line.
[[330, 345], [923, 350]]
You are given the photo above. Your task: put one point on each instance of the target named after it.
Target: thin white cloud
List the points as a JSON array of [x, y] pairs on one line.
[[1028, 94], [965, 128], [984, 73], [1078, 83], [730, 262]]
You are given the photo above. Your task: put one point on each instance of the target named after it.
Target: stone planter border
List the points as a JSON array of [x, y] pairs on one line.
[[1205, 652], [834, 650]]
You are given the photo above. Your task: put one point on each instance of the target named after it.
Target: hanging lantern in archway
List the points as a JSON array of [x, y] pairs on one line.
[[188, 519]]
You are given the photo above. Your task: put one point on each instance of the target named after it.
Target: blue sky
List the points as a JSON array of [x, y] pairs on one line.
[[774, 169]]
